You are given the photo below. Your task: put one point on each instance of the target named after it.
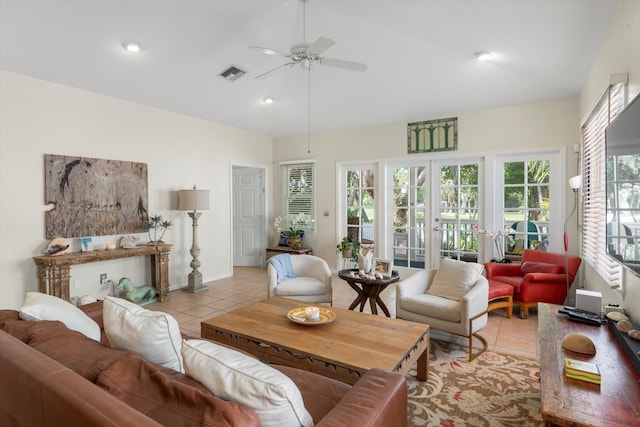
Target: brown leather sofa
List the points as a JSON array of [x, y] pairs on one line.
[[53, 376]]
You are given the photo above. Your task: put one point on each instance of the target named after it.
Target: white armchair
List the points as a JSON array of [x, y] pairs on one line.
[[463, 316], [311, 284]]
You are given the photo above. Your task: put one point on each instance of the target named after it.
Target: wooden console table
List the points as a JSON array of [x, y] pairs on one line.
[[287, 250], [54, 272], [571, 402]]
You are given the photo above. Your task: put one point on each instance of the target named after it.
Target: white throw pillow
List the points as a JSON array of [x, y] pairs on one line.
[[38, 306], [234, 376], [454, 278], [152, 334]]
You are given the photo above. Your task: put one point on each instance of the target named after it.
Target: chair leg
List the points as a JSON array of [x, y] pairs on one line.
[[472, 356]]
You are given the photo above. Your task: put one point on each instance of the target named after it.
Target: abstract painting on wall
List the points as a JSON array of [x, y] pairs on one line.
[[94, 197], [432, 135]]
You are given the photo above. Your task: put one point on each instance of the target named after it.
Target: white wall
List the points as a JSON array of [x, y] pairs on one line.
[[548, 124], [620, 53], [38, 117]]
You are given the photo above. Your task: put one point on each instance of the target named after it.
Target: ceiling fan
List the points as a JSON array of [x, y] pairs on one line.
[[307, 55]]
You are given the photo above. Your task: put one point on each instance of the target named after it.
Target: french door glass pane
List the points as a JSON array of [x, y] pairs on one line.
[[360, 205], [459, 212], [408, 216], [526, 205]]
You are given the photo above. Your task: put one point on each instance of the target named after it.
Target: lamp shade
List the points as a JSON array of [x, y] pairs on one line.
[[575, 182], [194, 200]]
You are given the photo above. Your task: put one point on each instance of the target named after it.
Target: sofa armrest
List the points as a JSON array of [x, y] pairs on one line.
[[500, 269], [272, 280], [378, 399], [476, 300]]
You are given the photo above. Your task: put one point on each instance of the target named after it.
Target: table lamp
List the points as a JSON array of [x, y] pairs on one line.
[[194, 200]]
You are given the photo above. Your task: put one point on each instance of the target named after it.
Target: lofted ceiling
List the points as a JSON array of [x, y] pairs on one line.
[[419, 53]]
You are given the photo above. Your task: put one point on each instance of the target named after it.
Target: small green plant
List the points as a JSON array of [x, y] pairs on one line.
[[349, 248], [156, 227]]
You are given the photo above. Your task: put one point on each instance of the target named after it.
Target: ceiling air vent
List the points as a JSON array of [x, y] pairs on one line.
[[232, 73]]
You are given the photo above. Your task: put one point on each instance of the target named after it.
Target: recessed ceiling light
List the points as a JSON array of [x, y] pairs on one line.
[[268, 100], [483, 55], [132, 47]]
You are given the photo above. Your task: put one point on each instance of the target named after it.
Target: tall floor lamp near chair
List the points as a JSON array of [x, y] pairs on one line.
[[574, 183], [194, 201]]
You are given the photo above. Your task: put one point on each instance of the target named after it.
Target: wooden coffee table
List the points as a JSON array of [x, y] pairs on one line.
[[344, 349]]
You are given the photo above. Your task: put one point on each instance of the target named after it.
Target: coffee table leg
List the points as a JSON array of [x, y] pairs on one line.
[[423, 365]]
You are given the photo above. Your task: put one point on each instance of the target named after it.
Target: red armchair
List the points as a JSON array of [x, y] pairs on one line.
[[540, 278]]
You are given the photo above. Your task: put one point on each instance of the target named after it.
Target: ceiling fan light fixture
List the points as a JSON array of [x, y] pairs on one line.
[[483, 55], [132, 47]]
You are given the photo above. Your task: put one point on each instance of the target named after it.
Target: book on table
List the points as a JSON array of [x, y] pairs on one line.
[[582, 370]]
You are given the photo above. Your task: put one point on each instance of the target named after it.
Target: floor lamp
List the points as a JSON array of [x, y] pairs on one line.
[[574, 183], [194, 201]]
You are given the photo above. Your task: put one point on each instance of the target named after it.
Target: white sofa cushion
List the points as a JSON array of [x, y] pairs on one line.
[[432, 306], [38, 306], [454, 278], [152, 334], [234, 376], [301, 286]]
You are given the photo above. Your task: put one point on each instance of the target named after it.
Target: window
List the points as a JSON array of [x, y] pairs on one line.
[[459, 211], [623, 203], [526, 205], [593, 189], [298, 190], [360, 205], [409, 216]]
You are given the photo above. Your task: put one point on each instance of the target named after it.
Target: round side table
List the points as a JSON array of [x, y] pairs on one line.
[[368, 289]]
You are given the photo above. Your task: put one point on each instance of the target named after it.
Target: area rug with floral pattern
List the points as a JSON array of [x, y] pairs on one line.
[[494, 390]]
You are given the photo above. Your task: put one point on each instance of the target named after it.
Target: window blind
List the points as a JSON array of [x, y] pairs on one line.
[[594, 212], [298, 191]]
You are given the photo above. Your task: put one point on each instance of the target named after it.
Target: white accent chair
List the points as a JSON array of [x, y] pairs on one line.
[[311, 284], [464, 316]]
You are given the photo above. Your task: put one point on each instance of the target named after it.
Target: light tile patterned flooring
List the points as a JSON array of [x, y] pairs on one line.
[[249, 284]]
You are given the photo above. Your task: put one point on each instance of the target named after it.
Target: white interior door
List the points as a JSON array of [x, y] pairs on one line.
[[248, 224]]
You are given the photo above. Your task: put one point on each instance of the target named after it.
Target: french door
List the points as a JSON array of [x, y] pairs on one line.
[[435, 212], [456, 211], [467, 208]]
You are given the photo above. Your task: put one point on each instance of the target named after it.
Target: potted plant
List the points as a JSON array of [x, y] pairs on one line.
[[156, 227], [293, 228], [349, 248]]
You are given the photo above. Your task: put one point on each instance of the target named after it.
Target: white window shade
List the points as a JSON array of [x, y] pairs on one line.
[[594, 210], [299, 189]]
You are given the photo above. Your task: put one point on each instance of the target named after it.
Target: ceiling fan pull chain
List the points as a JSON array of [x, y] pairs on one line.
[[309, 111], [304, 21]]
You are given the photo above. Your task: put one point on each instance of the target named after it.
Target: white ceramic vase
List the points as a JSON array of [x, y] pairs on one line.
[[365, 260]]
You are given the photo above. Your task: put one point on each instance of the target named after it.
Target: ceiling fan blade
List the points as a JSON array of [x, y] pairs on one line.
[[347, 65], [268, 51], [275, 70], [320, 45]]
